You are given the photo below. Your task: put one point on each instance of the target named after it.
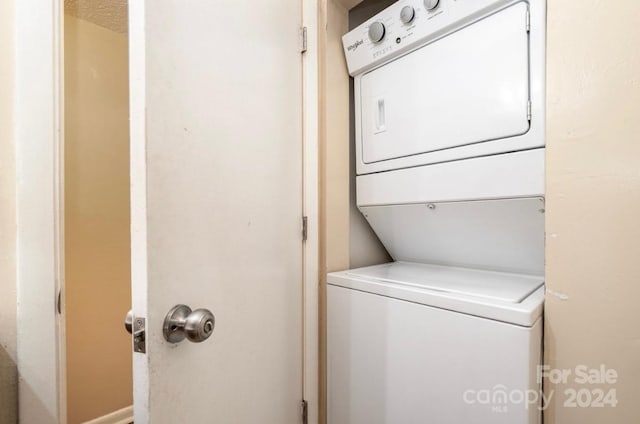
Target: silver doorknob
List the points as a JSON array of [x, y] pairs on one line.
[[181, 322], [128, 321]]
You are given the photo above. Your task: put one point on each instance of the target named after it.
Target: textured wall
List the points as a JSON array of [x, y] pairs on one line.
[[111, 14], [8, 373], [98, 291], [333, 121], [593, 202], [335, 90]]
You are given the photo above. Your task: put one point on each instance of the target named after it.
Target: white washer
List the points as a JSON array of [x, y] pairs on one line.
[[415, 344]]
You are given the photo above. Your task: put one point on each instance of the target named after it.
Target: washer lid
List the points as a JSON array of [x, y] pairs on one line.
[[504, 287], [508, 297]]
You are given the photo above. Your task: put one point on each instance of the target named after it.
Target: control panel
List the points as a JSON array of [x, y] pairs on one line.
[[408, 24]]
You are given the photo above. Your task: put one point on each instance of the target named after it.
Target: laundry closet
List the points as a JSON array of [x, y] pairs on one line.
[[446, 156]]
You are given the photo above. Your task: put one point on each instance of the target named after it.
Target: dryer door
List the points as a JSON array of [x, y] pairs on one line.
[[469, 87]]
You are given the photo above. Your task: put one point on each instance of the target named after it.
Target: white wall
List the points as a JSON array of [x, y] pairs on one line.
[[8, 371], [593, 201]]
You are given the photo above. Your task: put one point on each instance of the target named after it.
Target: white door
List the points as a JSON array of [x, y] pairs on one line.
[[216, 207]]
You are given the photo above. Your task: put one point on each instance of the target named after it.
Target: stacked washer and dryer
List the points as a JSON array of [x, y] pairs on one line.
[[450, 119]]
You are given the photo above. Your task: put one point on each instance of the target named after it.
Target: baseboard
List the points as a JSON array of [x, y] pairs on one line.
[[122, 416]]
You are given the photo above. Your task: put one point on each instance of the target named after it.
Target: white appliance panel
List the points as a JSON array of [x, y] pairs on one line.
[[503, 235], [391, 361], [467, 87], [519, 174]]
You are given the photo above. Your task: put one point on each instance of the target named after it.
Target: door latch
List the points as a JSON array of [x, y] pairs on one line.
[[136, 327]]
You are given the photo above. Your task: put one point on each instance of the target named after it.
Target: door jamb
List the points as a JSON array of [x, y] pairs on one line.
[[138, 195], [38, 125], [310, 384]]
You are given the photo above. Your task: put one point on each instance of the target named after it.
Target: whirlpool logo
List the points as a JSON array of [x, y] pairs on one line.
[[354, 46]]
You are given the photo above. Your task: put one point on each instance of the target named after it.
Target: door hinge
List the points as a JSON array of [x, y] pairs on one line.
[[304, 411], [529, 110], [305, 227], [303, 39], [528, 21], [59, 302]]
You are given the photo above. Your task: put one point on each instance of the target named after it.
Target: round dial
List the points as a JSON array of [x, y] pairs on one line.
[[407, 13], [431, 4], [376, 31]]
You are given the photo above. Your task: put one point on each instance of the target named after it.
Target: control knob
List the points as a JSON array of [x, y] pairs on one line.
[[376, 31], [431, 4], [407, 14]]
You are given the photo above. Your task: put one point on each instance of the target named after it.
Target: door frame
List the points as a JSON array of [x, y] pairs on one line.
[[39, 91], [311, 205], [38, 135]]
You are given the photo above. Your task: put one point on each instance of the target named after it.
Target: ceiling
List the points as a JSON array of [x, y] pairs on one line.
[[111, 14]]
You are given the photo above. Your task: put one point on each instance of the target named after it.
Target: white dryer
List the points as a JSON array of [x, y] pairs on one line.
[[462, 79], [449, 99]]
